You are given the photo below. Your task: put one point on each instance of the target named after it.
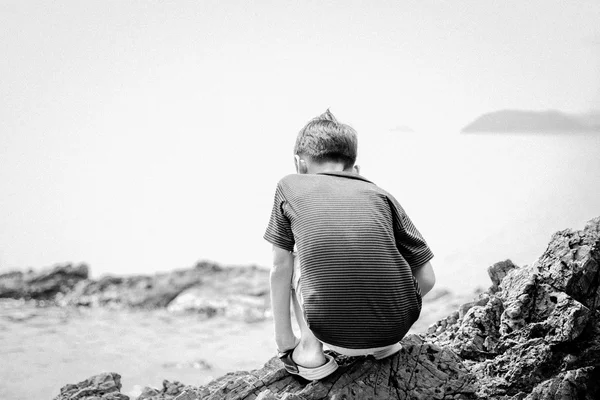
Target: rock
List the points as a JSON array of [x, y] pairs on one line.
[[570, 264], [239, 293], [535, 334], [419, 371], [168, 391], [438, 304], [536, 323], [43, 285], [208, 288], [12, 285], [570, 385], [145, 292], [498, 271], [105, 386]]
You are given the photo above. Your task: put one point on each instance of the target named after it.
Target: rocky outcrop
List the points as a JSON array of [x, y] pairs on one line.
[[105, 386], [535, 334], [138, 291], [44, 285], [536, 331], [207, 289]]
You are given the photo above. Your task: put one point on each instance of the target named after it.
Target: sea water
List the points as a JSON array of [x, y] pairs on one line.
[[43, 349]]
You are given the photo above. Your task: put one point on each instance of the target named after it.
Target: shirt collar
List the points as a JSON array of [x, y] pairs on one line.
[[345, 174]]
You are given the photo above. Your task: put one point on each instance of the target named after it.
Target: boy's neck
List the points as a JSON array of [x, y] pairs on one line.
[[318, 168], [305, 165]]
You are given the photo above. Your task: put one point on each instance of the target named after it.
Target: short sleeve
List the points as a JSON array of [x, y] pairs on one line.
[[279, 230], [409, 240]]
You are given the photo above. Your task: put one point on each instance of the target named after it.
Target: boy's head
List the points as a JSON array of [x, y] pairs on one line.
[[325, 140]]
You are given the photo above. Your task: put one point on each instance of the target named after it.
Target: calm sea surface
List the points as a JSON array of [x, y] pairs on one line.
[[42, 349], [477, 199]]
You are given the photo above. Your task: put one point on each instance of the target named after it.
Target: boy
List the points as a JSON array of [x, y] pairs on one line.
[[361, 266]]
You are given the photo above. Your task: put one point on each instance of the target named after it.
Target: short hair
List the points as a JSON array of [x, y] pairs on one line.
[[325, 139]]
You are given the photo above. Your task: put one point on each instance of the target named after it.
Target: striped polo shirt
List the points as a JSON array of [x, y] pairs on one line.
[[357, 249]]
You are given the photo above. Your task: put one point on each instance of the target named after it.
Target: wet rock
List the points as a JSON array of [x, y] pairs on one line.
[[43, 285]]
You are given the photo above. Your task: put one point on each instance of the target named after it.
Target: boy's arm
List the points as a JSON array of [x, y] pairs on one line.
[[425, 277], [281, 282], [412, 246]]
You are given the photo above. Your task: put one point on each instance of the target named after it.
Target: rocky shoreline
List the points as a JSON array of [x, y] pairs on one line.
[[207, 289], [534, 334]]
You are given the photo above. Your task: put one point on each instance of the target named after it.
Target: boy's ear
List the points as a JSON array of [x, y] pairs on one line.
[[356, 169], [301, 166]]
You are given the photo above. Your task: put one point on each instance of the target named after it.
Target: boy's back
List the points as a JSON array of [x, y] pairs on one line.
[[356, 248]]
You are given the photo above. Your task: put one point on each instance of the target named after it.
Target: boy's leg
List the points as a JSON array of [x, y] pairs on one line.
[[309, 352]]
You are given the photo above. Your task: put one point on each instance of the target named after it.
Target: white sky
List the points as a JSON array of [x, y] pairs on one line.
[[131, 130]]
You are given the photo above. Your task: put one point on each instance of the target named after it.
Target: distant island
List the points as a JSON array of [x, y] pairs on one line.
[[535, 121]]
